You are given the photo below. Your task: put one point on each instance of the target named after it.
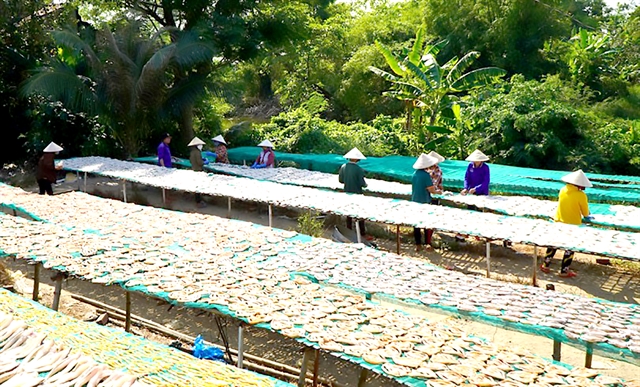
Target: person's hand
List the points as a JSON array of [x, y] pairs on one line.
[[205, 161], [463, 192], [58, 166], [588, 218], [472, 191]]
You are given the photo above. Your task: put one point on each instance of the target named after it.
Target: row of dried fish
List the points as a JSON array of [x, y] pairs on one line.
[[486, 225], [52, 349], [333, 319], [620, 216], [26, 354], [183, 245]]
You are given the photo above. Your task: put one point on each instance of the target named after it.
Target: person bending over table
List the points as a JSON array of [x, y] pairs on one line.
[[46, 170], [421, 189], [352, 176], [266, 158], [436, 175], [476, 179], [573, 206], [220, 147]]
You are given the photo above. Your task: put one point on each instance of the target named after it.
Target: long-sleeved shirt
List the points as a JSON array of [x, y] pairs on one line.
[[221, 154], [420, 183], [267, 157], [352, 176], [572, 205], [164, 153], [197, 164], [436, 176], [478, 178], [46, 168]]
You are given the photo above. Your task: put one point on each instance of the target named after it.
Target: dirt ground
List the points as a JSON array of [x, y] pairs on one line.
[[512, 264]]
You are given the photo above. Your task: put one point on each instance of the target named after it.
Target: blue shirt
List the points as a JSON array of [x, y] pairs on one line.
[[419, 183], [164, 153], [478, 178]]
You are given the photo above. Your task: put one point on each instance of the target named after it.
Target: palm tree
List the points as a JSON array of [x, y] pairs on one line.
[[127, 82], [423, 84]]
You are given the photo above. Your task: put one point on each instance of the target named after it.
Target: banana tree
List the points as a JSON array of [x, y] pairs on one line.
[[430, 88]]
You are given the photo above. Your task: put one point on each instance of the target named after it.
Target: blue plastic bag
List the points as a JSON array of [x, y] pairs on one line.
[[203, 351]]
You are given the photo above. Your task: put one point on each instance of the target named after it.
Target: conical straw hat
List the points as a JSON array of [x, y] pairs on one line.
[[425, 161], [266, 143], [196, 141], [354, 154], [577, 178], [477, 156], [53, 147], [220, 139], [436, 155]]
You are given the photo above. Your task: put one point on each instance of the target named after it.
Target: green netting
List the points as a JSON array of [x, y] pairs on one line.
[[504, 179]]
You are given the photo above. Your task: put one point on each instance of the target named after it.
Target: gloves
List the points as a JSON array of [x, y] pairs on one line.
[[258, 166], [205, 161], [588, 218]]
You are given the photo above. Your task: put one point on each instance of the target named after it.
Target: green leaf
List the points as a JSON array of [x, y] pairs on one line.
[[433, 70], [414, 55], [462, 65], [478, 78], [434, 49], [391, 60], [383, 74], [438, 129], [431, 145], [420, 74], [455, 108]]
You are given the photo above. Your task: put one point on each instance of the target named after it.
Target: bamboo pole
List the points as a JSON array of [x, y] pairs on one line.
[[58, 291], [85, 182], [124, 190], [316, 367], [358, 236], [534, 269], [398, 239], [488, 259], [250, 360], [240, 345], [270, 215], [303, 368]]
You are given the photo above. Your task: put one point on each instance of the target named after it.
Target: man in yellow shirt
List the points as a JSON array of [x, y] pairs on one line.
[[572, 207]]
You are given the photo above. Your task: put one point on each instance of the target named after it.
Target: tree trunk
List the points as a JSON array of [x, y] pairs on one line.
[[186, 123], [407, 123]]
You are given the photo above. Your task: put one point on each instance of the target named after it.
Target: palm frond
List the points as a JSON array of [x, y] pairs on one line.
[[59, 82], [187, 92], [191, 50], [71, 39]]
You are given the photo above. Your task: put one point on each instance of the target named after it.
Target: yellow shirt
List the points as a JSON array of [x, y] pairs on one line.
[[572, 205]]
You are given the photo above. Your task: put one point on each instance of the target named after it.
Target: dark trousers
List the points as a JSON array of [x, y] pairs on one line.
[[45, 186], [198, 198], [417, 235], [567, 259], [350, 224]]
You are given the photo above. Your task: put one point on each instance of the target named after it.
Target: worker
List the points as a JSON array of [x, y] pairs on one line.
[[572, 208], [476, 181], [197, 164], [266, 158], [352, 176], [164, 153], [46, 170], [436, 174], [422, 188], [477, 177], [220, 146]]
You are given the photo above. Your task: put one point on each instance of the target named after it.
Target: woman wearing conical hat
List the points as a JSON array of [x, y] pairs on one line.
[[220, 146], [477, 177], [436, 174], [197, 163], [46, 170], [573, 206], [266, 158], [352, 176], [421, 189]]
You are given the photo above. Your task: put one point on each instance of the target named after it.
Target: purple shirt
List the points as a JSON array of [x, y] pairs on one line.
[[164, 153], [477, 178]]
